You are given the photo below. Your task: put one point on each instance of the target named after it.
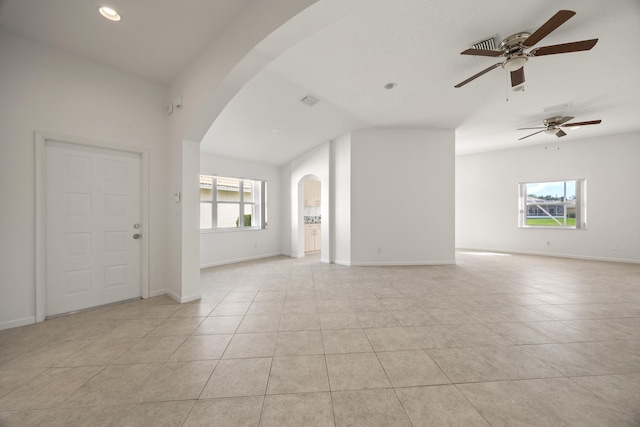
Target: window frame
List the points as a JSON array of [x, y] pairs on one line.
[[580, 205], [257, 205]]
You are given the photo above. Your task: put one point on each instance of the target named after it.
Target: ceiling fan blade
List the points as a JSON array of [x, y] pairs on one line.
[[556, 20], [590, 122], [482, 52], [564, 119], [535, 133], [564, 48], [539, 127], [486, 70], [560, 133], [517, 77]]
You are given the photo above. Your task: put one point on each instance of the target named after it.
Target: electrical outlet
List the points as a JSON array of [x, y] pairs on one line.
[[615, 248], [379, 250], [548, 243]]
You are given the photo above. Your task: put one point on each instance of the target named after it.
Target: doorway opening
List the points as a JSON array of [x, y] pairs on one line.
[[311, 215]]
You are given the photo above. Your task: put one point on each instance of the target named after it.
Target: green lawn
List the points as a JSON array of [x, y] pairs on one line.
[[571, 222]]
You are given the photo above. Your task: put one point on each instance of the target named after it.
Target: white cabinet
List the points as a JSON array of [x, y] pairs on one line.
[[311, 237], [311, 193]]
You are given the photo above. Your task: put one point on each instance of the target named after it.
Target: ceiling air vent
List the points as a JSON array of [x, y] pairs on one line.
[[486, 44], [309, 100]]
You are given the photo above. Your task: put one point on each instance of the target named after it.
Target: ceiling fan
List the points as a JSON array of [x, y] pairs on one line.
[[513, 48], [552, 126]]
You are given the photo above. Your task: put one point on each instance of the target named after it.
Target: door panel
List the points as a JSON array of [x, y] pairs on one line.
[[92, 203]]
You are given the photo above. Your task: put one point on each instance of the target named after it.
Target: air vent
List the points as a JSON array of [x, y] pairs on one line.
[[557, 107], [309, 100], [486, 44]]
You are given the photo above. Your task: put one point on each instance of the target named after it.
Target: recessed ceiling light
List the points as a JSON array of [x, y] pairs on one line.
[[390, 85], [109, 13]]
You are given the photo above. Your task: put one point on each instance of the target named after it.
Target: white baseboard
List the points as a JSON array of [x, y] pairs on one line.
[[340, 262], [29, 320], [549, 254], [157, 293], [236, 260], [183, 300]]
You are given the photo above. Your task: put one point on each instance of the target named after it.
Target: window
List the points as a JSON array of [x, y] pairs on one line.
[[224, 206], [553, 204]]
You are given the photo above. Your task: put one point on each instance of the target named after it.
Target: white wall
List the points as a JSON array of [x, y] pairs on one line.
[[56, 92], [487, 198], [314, 162], [342, 199], [402, 197], [223, 247]]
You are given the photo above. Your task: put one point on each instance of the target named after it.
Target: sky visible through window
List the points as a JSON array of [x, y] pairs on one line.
[[552, 189]]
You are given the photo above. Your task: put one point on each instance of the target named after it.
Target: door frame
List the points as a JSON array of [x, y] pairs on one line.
[[41, 138]]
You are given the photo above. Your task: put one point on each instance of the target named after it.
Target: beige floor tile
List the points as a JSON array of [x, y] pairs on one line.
[[176, 326], [201, 347], [19, 418], [414, 318], [368, 408], [159, 414], [299, 322], [239, 297], [475, 335], [260, 323], [298, 343], [334, 306], [194, 310], [577, 405], [11, 379], [622, 391], [298, 374], [89, 416], [99, 352], [297, 306], [48, 389], [377, 319], [231, 309], [46, 356], [251, 345], [266, 307], [439, 406], [135, 328], [389, 339], [238, 377], [346, 341], [218, 325], [435, 336], [115, 384], [302, 409], [176, 381], [264, 296], [411, 368], [227, 412], [490, 364], [520, 333], [570, 359], [346, 320], [507, 403], [150, 350], [356, 372]]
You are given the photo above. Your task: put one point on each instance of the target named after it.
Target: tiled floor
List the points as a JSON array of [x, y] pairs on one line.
[[495, 340]]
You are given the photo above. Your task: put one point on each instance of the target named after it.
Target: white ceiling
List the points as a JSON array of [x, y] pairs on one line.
[[155, 39], [416, 43]]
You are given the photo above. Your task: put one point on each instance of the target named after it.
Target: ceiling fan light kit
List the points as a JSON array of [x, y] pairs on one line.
[[514, 47]]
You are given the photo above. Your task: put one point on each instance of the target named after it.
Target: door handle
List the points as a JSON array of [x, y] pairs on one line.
[[137, 236]]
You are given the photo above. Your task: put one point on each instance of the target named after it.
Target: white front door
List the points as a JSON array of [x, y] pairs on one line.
[[92, 217]]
